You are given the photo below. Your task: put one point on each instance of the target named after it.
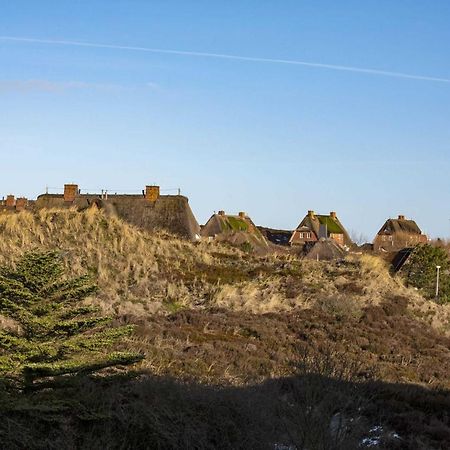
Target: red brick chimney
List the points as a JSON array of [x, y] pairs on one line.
[[10, 201], [152, 193], [70, 192], [21, 203], [242, 214]]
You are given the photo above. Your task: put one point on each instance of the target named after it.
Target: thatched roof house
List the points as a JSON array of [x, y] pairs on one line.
[[149, 210], [398, 233], [325, 250], [316, 226], [236, 229]]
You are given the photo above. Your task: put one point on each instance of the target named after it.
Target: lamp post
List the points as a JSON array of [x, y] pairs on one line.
[[437, 281]]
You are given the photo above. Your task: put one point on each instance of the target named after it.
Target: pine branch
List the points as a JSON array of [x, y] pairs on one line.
[[59, 336], [36, 370]]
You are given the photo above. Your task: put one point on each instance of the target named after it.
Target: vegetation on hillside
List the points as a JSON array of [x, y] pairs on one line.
[[240, 351], [139, 273], [51, 333], [421, 271]]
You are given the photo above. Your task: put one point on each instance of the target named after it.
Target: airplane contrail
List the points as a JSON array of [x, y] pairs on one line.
[[227, 56]]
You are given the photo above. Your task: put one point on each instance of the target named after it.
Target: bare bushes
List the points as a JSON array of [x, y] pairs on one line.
[[259, 296], [340, 306], [323, 404], [308, 411]]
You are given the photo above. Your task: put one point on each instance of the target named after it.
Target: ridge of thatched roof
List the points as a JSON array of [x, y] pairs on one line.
[[325, 250], [223, 223], [392, 226]]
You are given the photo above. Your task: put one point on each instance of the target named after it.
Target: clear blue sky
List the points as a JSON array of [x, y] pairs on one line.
[[272, 139]]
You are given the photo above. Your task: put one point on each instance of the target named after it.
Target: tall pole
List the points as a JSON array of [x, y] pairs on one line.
[[437, 280]]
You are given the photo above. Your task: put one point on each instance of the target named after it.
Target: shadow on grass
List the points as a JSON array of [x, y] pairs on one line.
[[307, 411]]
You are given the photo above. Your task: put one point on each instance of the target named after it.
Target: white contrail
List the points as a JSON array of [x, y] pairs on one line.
[[227, 56]]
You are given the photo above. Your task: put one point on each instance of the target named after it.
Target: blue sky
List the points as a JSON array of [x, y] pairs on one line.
[[272, 139]]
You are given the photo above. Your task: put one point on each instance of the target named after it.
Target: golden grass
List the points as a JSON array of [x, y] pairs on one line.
[[142, 273], [130, 265]]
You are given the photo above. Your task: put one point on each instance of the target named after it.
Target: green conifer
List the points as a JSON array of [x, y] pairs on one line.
[[56, 335], [421, 271]]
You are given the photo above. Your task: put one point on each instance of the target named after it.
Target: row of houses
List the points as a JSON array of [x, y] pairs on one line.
[[394, 235], [150, 210]]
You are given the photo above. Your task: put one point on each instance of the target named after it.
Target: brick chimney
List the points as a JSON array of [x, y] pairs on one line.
[[221, 213], [10, 201], [401, 217], [151, 193], [333, 214], [311, 213], [21, 203], [242, 214], [70, 192]]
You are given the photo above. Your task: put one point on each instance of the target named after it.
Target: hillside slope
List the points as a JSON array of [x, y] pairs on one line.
[[207, 314], [141, 273]]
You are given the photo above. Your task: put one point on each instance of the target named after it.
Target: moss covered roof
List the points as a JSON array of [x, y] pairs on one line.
[[232, 223], [332, 225], [314, 222]]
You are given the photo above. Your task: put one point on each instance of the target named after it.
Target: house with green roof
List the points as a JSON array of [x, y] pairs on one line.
[[316, 226], [238, 230]]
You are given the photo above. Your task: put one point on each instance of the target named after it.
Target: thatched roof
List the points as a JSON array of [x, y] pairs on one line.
[[325, 250], [332, 224], [400, 225], [223, 223], [168, 212], [235, 229]]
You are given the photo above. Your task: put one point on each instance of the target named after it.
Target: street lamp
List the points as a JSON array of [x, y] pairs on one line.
[[437, 281]]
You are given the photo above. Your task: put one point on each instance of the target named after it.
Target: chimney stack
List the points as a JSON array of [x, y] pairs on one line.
[[21, 203], [311, 213], [10, 201], [401, 217], [242, 214], [333, 214], [70, 192], [221, 213], [152, 193]]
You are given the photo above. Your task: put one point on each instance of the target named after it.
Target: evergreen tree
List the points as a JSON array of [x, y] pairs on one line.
[[421, 271], [57, 335]]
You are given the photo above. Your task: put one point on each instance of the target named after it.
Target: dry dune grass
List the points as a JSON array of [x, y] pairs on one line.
[[141, 273], [366, 278], [133, 268]]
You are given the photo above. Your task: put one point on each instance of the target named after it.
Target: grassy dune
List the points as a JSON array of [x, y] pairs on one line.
[[227, 334], [140, 273]]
